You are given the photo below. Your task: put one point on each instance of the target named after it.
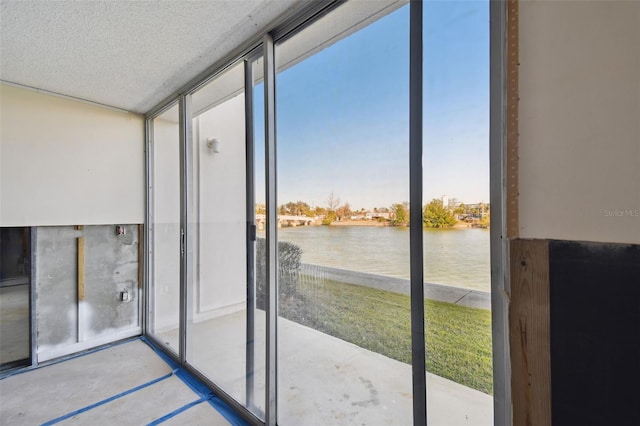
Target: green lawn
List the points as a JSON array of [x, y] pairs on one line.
[[458, 338]]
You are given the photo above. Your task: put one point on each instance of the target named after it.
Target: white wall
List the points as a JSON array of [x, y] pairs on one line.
[[580, 120], [64, 162], [222, 204]]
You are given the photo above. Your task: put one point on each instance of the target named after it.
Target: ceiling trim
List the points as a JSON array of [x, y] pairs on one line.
[[68, 97]]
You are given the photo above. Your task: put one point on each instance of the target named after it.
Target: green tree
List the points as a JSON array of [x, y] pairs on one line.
[[485, 222], [299, 208], [333, 204], [400, 214], [329, 218], [343, 211], [434, 215], [319, 211], [461, 209]]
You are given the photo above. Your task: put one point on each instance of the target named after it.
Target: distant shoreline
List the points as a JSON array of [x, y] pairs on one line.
[[377, 224], [359, 223]]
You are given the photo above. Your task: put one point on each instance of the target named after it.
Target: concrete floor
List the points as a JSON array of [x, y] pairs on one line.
[[14, 323], [327, 381], [127, 384]]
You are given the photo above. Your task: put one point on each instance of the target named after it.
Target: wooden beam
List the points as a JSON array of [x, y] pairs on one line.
[[529, 333]]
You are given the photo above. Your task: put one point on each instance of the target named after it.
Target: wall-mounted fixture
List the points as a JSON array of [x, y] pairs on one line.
[[213, 145], [121, 230], [124, 296]]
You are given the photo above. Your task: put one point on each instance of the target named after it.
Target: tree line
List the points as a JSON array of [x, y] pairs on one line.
[[434, 214]]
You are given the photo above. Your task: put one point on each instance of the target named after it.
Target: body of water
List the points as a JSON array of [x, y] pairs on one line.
[[453, 257]]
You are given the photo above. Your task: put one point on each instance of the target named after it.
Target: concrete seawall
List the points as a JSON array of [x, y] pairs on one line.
[[442, 293]]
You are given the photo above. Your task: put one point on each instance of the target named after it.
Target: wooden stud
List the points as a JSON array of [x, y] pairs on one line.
[[529, 333], [80, 269], [513, 63]]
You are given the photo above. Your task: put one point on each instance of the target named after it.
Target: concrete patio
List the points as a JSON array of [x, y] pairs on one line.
[[327, 381]]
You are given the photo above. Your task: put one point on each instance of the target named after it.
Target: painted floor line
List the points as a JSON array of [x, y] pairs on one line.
[[178, 411], [198, 387], [107, 400]]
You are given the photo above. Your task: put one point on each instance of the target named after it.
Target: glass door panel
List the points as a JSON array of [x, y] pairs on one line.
[[15, 295], [164, 228], [344, 330], [457, 213], [223, 324]]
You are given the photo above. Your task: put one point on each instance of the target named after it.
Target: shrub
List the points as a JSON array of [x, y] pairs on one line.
[[289, 256]]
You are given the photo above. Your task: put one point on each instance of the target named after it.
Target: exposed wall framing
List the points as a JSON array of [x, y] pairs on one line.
[[512, 118]]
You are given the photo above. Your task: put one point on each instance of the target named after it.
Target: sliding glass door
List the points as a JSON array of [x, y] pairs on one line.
[[297, 258]]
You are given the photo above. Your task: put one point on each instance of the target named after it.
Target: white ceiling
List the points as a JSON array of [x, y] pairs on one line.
[[126, 54]]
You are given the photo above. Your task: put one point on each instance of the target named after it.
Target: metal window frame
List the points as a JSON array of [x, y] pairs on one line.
[[269, 76], [250, 234], [502, 412], [185, 126], [33, 297], [147, 238], [418, 350]]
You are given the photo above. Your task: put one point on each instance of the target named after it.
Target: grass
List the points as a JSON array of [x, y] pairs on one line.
[[458, 338]]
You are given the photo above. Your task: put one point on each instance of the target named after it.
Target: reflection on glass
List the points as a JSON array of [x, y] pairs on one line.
[[165, 229], [15, 293], [456, 212], [343, 155], [257, 211], [223, 324]]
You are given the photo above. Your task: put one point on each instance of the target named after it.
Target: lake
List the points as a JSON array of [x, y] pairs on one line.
[[453, 257]]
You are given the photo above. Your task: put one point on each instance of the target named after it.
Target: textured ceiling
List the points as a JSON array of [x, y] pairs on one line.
[[126, 54]]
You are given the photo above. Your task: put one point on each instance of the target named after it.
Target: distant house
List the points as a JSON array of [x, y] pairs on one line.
[[378, 215]]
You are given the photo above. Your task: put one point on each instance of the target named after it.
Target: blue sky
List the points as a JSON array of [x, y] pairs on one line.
[[342, 114]]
